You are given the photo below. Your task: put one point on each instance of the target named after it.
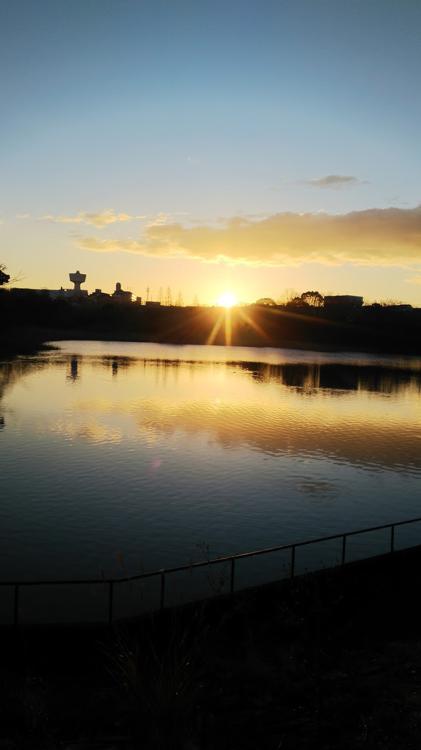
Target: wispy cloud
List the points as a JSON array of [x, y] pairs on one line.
[[390, 236], [107, 217], [334, 181], [158, 220], [414, 279], [100, 220]]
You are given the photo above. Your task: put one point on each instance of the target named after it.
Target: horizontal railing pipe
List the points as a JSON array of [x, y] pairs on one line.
[[229, 559]]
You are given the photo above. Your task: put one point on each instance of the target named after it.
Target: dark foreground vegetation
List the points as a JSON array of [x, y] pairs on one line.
[[28, 319], [332, 660]]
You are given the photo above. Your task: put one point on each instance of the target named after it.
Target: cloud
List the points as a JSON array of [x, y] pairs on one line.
[[334, 181], [158, 220], [414, 280], [105, 218], [390, 236], [99, 220]]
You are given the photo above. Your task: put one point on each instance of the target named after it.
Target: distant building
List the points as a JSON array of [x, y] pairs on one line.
[[343, 302], [120, 295], [24, 291], [77, 293], [99, 296], [77, 279], [55, 293], [151, 303], [399, 307]]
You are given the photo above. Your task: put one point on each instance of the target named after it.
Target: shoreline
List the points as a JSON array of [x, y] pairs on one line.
[[32, 340], [379, 330]]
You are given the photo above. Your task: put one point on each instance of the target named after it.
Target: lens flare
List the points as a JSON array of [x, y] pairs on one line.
[[227, 299]]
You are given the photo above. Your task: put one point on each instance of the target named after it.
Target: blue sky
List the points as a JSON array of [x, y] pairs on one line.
[[194, 115]]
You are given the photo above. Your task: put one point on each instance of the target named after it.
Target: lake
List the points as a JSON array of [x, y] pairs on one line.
[[117, 458]]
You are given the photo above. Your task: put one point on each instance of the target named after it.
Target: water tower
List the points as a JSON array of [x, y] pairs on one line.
[[77, 279]]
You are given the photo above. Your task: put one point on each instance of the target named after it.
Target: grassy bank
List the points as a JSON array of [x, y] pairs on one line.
[[332, 660]]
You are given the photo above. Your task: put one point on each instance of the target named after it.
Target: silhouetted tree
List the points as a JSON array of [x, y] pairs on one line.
[[4, 277], [314, 299], [267, 301], [297, 302], [390, 302]]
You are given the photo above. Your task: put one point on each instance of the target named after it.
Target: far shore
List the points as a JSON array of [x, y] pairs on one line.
[[32, 340], [29, 323]]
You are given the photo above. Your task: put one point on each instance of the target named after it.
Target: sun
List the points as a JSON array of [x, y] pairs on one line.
[[227, 299]]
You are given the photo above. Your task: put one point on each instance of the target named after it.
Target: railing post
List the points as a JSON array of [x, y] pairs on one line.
[[162, 588], [343, 549], [110, 601], [16, 606], [292, 572], [392, 539], [232, 574]]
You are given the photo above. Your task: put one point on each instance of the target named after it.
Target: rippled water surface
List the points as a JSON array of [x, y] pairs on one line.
[[117, 457]]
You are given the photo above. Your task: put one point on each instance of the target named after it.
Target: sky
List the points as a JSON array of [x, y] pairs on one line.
[[258, 147]]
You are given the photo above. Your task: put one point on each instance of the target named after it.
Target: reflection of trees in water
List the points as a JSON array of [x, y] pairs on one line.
[[114, 363], [300, 376], [10, 372], [369, 441], [118, 364], [303, 377], [73, 373], [342, 377]]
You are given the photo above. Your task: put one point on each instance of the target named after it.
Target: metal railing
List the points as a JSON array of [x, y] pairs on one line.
[[230, 559]]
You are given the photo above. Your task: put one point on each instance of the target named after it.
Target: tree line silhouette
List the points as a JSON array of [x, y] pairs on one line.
[[31, 317]]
